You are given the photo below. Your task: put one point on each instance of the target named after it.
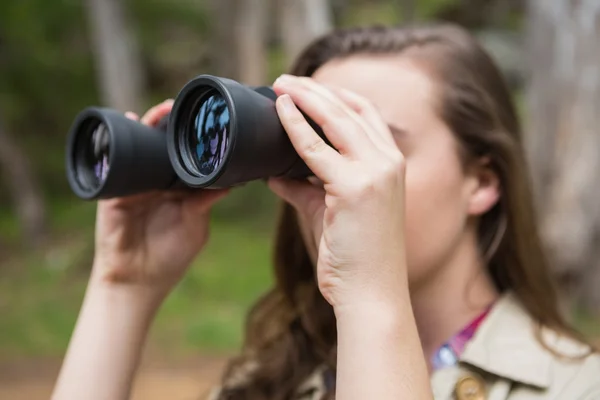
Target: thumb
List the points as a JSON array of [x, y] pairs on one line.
[[132, 115], [302, 195], [202, 201]]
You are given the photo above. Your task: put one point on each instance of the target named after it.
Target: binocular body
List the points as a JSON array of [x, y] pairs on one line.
[[219, 134]]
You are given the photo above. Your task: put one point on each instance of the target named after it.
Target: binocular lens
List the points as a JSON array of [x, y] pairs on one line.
[[208, 133], [92, 156]]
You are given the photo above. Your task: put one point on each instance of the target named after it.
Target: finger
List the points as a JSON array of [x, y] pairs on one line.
[[202, 200], [380, 132], [186, 193], [131, 200], [302, 195], [367, 125], [344, 133], [321, 158], [156, 113], [132, 115]]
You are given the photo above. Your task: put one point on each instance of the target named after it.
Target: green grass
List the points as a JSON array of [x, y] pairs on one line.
[[38, 305], [40, 293], [207, 309], [40, 302]]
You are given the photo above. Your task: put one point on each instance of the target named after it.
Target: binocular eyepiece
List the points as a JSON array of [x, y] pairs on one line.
[[219, 134]]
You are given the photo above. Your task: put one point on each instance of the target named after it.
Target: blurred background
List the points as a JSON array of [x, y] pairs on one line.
[[57, 57]]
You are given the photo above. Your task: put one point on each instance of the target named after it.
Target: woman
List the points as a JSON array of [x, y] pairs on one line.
[[410, 267]]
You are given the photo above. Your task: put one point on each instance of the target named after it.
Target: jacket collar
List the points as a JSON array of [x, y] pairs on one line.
[[506, 345]]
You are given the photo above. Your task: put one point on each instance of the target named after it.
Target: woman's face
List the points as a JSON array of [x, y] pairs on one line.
[[438, 190]]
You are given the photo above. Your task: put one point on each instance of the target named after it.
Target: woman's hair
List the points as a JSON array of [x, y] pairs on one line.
[[291, 331]]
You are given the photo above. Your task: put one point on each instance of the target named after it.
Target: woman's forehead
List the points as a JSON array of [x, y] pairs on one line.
[[397, 86]]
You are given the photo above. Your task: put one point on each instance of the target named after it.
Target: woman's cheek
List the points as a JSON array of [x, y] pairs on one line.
[[432, 218]]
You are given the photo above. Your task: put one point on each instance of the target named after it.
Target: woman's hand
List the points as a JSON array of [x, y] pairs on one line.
[[358, 216], [149, 240], [358, 223]]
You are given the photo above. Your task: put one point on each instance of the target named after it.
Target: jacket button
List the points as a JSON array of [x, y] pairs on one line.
[[470, 388]]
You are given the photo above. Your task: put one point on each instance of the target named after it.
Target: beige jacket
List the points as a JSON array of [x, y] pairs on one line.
[[505, 361]]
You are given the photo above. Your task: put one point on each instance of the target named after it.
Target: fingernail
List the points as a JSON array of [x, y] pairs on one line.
[[283, 79], [287, 103]]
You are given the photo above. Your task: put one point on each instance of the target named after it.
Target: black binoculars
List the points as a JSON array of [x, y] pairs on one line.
[[219, 134]]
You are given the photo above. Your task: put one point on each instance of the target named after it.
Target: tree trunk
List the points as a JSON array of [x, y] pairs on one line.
[[117, 55], [302, 22], [251, 32], [224, 38], [23, 188], [240, 39], [564, 140]]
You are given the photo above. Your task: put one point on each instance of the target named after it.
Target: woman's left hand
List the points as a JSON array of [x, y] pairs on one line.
[[358, 216]]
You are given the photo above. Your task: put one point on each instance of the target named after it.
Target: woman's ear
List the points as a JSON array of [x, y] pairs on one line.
[[484, 192]]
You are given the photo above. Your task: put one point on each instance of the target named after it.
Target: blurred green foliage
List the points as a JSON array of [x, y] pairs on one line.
[[40, 303], [40, 293], [47, 70]]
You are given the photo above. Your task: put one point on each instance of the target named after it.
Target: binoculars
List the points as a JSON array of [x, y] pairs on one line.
[[219, 134]]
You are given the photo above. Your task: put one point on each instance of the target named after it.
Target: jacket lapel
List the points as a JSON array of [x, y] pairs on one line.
[[506, 345]]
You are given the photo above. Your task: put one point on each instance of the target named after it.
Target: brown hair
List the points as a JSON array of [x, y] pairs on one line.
[[291, 331]]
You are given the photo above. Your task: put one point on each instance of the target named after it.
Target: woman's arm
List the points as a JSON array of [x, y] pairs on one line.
[[107, 343], [380, 354], [144, 245]]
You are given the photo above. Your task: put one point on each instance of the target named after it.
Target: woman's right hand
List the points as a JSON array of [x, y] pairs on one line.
[[149, 240]]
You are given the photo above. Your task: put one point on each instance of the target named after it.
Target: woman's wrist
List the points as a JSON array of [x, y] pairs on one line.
[[142, 295], [379, 352], [138, 299], [382, 313], [382, 297]]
